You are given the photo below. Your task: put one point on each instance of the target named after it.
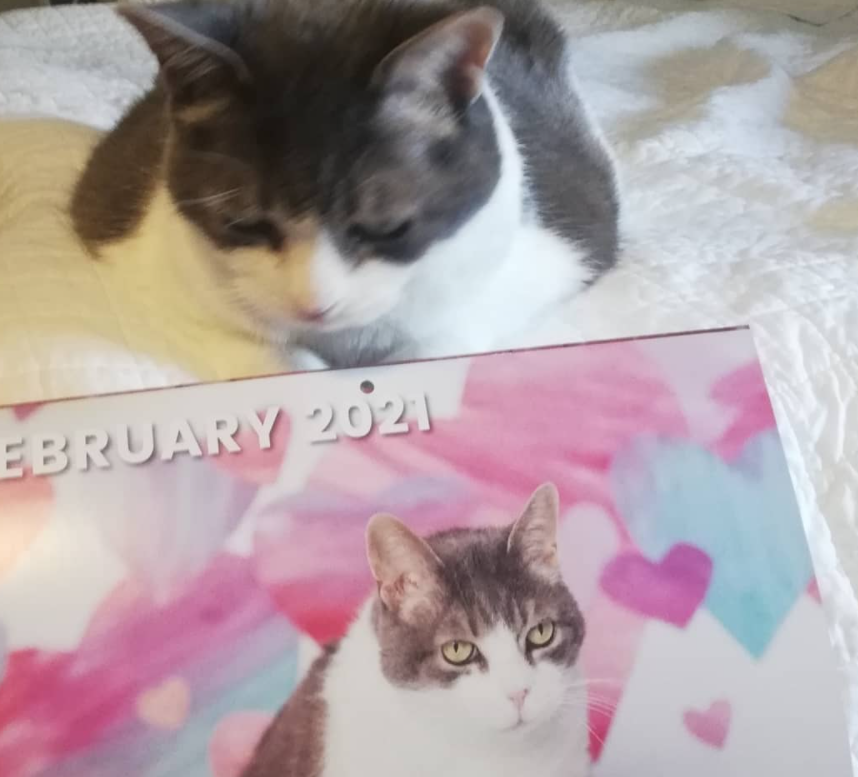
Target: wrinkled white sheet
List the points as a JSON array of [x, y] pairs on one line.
[[737, 134]]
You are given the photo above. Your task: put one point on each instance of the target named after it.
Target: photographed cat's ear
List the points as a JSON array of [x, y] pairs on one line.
[[405, 568], [534, 535], [449, 58], [191, 42]]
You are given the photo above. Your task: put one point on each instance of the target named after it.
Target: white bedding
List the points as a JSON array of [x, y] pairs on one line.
[[738, 139]]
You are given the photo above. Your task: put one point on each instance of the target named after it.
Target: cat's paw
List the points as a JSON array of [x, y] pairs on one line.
[[303, 360]]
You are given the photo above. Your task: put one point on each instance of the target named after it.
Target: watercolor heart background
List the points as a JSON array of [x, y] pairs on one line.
[[743, 391], [590, 526], [670, 590], [474, 478], [215, 631], [313, 563], [27, 506], [252, 463], [150, 516], [742, 515], [166, 700]]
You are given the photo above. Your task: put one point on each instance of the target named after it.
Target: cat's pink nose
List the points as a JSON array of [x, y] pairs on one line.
[[312, 314], [518, 698]]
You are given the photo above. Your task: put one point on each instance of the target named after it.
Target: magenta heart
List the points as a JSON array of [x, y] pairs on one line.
[[670, 590], [710, 726]]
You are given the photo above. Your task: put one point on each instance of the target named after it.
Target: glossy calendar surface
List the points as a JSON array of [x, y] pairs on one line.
[[170, 560]]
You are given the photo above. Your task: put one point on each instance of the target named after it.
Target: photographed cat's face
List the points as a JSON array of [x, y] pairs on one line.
[[323, 156], [478, 625]]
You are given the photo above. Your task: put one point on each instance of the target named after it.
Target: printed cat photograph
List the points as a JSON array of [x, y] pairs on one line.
[[565, 562], [464, 662], [357, 181]]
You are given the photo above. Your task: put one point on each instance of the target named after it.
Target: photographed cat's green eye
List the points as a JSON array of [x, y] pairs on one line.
[[541, 635], [458, 652]]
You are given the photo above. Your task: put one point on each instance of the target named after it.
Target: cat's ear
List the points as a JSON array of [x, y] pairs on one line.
[[534, 535], [405, 568], [191, 41], [449, 58]]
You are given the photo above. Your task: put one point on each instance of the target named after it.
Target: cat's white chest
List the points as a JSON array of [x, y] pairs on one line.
[[395, 753], [535, 271], [487, 284]]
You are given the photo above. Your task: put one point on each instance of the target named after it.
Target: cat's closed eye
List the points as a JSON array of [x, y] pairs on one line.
[[259, 232], [381, 234]]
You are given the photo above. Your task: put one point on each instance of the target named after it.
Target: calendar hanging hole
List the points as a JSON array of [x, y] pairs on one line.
[[367, 387]]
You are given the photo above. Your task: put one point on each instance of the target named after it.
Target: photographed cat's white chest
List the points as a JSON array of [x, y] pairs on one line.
[[368, 730], [358, 745], [390, 756]]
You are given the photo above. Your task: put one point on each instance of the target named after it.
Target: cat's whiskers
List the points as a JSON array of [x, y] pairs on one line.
[[589, 703], [235, 221], [218, 156], [578, 694], [595, 681], [593, 733], [584, 704], [588, 695], [211, 199], [606, 709]]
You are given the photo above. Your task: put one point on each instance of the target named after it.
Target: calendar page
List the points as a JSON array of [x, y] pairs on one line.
[[582, 560]]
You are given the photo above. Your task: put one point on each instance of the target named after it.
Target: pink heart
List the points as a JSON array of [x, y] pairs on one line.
[[711, 726], [670, 590], [165, 706]]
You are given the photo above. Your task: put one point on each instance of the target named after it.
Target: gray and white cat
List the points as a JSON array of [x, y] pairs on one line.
[[364, 179], [463, 664]]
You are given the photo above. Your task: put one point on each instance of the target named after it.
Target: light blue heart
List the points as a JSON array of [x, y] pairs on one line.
[[744, 515]]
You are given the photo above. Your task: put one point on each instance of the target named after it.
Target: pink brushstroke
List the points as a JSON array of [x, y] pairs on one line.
[[607, 658], [26, 505], [314, 565], [24, 411], [745, 391], [56, 704], [252, 464]]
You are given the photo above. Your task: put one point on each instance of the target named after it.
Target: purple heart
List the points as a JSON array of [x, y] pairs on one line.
[[670, 590]]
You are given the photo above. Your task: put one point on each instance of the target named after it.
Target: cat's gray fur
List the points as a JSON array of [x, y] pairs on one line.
[[278, 102], [483, 584]]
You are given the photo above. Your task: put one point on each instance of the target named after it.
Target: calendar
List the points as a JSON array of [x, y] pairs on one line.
[[589, 556]]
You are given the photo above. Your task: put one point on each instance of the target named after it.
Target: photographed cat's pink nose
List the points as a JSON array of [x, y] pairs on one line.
[[518, 698]]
